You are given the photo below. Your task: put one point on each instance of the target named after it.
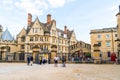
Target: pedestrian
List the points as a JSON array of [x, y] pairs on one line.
[[72, 59], [55, 61], [116, 60], [63, 61], [31, 60], [48, 60], [28, 60], [43, 60], [40, 59]]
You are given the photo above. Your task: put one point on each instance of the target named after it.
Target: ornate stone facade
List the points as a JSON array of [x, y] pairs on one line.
[[39, 40]]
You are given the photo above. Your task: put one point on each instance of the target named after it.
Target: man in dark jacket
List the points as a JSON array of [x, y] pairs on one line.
[[31, 60], [28, 60]]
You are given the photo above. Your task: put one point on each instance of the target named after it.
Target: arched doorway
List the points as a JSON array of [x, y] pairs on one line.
[[21, 56]]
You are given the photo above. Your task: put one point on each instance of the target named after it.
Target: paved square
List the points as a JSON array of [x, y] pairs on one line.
[[20, 71]]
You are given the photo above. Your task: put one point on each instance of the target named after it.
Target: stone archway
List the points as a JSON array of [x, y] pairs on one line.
[[4, 52]]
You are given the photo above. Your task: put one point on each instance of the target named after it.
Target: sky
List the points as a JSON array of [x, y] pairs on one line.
[[78, 15]]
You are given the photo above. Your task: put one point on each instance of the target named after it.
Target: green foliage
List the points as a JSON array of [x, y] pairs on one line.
[[87, 54]]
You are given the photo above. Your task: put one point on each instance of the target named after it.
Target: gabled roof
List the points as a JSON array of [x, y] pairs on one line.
[[69, 33], [7, 36], [46, 27], [21, 31], [104, 30]]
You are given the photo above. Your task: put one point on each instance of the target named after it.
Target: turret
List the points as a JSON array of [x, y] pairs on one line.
[[118, 22]]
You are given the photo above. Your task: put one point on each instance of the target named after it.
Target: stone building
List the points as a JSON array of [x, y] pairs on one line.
[[43, 40], [38, 40], [118, 31], [80, 49], [8, 45], [107, 40]]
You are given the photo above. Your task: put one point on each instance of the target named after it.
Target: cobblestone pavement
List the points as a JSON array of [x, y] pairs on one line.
[[20, 71]]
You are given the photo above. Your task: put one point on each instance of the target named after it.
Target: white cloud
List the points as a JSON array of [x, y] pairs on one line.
[[36, 7], [114, 9], [70, 1], [7, 5], [5, 2], [56, 3]]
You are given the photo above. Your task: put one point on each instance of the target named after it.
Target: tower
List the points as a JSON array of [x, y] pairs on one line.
[[118, 22]]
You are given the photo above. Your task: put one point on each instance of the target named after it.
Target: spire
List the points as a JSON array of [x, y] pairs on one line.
[[6, 35]]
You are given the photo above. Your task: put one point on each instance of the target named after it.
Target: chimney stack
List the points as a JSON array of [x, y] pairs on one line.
[[48, 18], [29, 19], [65, 29]]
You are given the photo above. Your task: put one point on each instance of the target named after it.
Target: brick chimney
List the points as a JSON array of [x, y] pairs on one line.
[[48, 18], [65, 29], [29, 19]]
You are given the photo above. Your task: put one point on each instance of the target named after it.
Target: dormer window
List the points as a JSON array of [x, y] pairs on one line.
[[59, 33], [35, 30], [65, 35], [36, 38], [22, 38], [62, 35], [31, 38]]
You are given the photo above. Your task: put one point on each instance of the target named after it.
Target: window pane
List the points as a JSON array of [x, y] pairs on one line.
[[36, 39], [31, 38], [108, 44], [107, 36], [115, 35], [99, 36]]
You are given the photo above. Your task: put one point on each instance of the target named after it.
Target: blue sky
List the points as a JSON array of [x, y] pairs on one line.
[[78, 15]]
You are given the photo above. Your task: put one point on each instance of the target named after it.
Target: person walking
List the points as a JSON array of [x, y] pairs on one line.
[[55, 61], [48, 60], [63, 61], [28, 60], [40, 59], [31, 60]]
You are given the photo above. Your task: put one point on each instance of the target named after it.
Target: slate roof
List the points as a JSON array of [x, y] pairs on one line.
[[7, 36], [69, 33], [114, 29], [47, 27]]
